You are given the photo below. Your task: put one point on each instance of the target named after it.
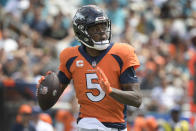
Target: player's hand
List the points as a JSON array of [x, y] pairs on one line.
[[43, 77], [40, 81], [103, 81]]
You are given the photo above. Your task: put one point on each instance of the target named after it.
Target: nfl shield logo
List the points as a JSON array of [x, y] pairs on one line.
[[94, 63]]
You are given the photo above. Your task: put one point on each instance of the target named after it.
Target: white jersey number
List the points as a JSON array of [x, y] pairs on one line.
[[90, 85]]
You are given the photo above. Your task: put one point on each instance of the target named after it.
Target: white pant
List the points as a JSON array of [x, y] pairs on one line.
[[111, 129], [92, 124]]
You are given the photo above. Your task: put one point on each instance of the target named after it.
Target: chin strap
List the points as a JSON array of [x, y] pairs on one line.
[[101, 45]]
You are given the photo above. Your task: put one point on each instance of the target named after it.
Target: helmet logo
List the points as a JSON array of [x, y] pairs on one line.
[[81, 27], [79, 16], [86, 39]]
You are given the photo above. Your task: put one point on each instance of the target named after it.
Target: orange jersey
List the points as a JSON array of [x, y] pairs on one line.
[[191, 89], [76, 64]]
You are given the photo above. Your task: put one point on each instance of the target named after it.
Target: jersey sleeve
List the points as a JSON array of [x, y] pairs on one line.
[[128, 76], [64, 57], [130, 58]]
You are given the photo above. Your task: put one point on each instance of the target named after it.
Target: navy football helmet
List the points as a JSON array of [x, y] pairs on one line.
[[88, 16]]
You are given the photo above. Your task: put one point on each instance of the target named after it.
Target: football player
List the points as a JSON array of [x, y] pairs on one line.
[[103, 73]]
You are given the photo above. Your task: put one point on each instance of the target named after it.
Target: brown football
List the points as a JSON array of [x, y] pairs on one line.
[[48, 91]]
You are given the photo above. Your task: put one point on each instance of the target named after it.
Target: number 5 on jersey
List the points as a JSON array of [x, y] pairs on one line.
[[91, 85]]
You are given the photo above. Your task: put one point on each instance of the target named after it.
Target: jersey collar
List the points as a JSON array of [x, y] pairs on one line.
[[93, 61]]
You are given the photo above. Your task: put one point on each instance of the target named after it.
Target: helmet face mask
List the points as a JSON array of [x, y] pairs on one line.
[[87, 17], [101, 30]]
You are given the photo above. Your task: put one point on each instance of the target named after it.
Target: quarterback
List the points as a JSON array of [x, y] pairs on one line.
[[103, 73]]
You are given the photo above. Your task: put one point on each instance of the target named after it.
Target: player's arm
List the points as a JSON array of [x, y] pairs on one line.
[[130, 93], [47, 103]]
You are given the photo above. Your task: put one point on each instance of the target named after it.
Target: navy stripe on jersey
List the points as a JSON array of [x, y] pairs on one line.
[[128, 76], [119, 60], [63, 78], [125, 114], [91, 59], [120, 126], [69, 62]]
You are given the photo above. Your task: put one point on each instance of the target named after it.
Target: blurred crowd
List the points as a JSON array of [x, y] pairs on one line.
[[33, 32], [31, 118]]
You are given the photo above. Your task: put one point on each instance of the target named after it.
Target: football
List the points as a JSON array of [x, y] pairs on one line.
[[47, 92]]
